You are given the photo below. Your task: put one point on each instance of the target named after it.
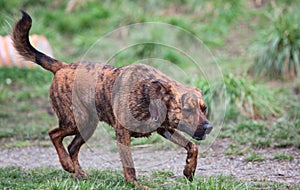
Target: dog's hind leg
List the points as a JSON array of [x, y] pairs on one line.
[[192, 150], [73, 149], [75, 146], [57, 136]]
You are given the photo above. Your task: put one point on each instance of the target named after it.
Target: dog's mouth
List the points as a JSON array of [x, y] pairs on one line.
[[198, 134], [199, 138], [201, 134]]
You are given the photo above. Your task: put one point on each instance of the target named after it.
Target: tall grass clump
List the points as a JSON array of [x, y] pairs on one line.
[[280, 52], [242, 98]]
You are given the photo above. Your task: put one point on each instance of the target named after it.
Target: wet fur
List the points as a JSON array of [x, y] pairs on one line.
[[157, 86]]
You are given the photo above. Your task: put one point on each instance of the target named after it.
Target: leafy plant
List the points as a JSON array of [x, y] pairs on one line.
[[243, 96], [280, 54]]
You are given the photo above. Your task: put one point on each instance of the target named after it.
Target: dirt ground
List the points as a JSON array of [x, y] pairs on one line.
[[211, 162]]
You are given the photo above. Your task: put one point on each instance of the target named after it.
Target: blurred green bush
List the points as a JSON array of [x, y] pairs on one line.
[[279, 53], [243, 97]]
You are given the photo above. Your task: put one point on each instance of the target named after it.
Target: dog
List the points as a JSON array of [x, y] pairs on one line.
[[136, 100]]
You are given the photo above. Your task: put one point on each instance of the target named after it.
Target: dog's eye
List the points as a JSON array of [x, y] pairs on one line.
[[204, 109]]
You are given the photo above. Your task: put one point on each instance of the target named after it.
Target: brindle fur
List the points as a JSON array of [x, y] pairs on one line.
[[157, 86]]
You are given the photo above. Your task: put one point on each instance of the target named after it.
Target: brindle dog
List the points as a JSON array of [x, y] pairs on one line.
[[173, 107]]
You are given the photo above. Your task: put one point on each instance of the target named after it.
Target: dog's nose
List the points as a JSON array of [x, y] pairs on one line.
[[207, 127]]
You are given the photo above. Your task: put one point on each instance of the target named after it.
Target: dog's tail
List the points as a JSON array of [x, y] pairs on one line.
[[20, 38]]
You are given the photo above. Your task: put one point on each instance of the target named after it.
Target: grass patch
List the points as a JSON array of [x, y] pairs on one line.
[[13, 76], [50, 178], [155, 138], [253, 157], [30, 129], [259, 134], [27, 143], [235, 150], [283, 156], [253, 100], [25, 113]]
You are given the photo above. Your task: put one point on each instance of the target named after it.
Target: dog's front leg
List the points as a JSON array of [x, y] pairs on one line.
[[123, 140], [192, 150]]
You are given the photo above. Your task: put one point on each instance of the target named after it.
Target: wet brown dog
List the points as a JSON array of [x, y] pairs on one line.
[[136, 100]]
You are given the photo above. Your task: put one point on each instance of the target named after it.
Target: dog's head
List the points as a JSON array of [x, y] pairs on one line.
[[155, 100], [193, 115], [186, 110]]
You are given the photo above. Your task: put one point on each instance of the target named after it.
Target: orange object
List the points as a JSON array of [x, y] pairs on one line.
[[9, 56]]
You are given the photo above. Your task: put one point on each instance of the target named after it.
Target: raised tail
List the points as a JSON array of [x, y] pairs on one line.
[[21, 42]]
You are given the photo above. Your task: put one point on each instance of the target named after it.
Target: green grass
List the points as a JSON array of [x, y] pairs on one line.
[[17, 143], [25, 109], [254, 157], [243, 97], [279, 53], [236, 150], [28, 77], [283, 156], [211, 21], [50, 178], [261, 135]]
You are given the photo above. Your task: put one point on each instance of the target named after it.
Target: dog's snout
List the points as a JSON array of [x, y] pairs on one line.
[[207, 127]]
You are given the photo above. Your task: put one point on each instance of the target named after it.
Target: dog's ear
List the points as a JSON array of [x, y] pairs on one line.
[[161, 86], [157, 107]]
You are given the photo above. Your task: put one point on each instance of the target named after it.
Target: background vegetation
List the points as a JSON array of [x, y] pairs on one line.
[[256, 46], [279, 57]]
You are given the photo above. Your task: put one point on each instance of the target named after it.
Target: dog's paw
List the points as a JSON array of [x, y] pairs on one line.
[[81, 175], [145, 187], [138, 185]]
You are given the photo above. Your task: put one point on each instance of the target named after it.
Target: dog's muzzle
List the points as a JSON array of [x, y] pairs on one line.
[[202, 134]]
